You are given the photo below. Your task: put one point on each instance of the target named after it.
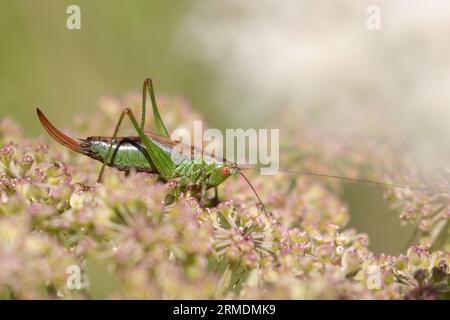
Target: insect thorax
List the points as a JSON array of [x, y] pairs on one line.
[[197, 170]]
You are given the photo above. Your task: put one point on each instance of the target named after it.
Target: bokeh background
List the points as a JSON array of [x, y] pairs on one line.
[[240, 64]]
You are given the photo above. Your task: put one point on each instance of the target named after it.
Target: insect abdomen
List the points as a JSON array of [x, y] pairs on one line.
[[126, 153]]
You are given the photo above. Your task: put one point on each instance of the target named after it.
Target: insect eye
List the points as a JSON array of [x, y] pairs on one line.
[[225, 171]]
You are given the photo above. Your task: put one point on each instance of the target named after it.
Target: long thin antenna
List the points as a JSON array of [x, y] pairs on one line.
[[322, 175], [254, 191]]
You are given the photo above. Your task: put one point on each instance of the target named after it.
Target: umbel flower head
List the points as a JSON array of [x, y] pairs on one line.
[[63, 236]]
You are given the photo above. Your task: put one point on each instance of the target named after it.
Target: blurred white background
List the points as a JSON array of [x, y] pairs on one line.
[[320, 59]]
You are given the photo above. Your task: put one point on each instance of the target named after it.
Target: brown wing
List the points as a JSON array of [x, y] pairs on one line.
[[173, 143], [161, 139]]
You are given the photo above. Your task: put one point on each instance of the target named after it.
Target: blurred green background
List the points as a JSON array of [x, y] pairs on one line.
[[65, 71], [122, 42]]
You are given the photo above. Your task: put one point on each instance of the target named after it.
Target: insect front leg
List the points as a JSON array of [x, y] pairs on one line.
[[215, 200], [204, 189]]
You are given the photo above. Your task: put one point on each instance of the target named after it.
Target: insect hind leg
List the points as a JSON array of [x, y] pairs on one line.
[[159, 124], [116, 130]]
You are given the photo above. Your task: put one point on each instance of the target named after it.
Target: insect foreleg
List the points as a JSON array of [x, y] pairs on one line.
[[204, 188], [216, 196]]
